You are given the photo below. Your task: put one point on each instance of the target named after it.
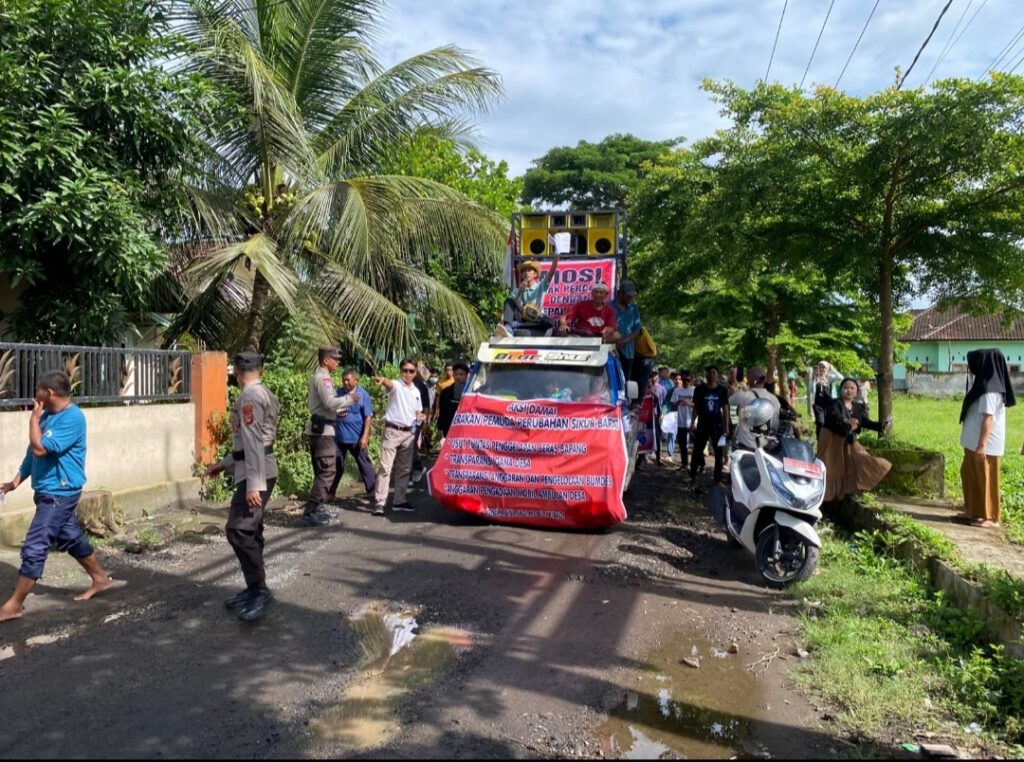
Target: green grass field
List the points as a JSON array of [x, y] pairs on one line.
[[934, 425]]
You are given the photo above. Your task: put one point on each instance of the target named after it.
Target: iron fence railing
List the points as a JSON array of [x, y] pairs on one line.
[[98, 374]]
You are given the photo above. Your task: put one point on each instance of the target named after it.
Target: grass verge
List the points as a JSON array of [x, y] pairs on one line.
[[898, 660]]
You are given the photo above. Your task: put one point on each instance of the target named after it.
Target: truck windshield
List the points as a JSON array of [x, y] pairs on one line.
[[568, 383]]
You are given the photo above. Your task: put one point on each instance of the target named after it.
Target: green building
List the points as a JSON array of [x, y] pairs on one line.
[[940, 340]]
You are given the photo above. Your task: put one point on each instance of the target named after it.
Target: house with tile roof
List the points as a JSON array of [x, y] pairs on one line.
[[939, 340]]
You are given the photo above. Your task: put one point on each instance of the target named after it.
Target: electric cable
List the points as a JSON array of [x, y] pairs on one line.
[[1006, 50], [776, 43], [949, 39], [946, 51], [924, 44], [857, 43], [816, 42]]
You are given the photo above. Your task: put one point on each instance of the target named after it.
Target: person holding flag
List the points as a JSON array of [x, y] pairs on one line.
[[524, 310]]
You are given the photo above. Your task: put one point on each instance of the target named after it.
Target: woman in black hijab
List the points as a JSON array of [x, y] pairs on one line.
[[983, 436]]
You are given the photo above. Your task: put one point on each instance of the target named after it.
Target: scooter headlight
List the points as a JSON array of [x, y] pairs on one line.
[[783, 492]]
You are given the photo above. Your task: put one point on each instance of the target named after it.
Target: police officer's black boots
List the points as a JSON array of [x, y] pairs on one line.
[[257, 607], [238, 600]]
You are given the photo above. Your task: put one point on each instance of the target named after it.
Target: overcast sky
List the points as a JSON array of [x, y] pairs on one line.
[[583, 69]]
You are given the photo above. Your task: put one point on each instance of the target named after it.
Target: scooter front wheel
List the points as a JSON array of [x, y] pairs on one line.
[[784, 556]]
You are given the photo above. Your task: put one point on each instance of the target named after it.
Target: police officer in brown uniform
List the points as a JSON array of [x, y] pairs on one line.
[[323, 415], [254, 427]]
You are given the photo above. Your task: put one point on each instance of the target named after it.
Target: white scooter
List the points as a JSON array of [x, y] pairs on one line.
[[776, 497]]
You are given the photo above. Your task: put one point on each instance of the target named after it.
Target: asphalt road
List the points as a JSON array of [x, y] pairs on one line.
[[525, 643]]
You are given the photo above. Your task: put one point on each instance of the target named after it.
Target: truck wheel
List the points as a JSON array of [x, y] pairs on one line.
[[795, 560]]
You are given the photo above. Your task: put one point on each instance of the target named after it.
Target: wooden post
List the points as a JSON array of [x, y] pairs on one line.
[[210, 396]]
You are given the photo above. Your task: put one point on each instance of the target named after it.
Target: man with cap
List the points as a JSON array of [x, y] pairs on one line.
[[627, 321], [254, 427], [324, 407], [526, 305], [592, 317]]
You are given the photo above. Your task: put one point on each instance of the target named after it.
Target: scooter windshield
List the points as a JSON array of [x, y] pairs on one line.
[[797, 449]]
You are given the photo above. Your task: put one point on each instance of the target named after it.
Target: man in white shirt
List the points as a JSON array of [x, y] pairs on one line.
[[404, 410]]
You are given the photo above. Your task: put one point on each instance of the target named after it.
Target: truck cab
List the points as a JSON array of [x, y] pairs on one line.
[[563, 405]]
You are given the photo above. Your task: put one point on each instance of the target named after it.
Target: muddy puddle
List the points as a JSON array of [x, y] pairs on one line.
[[398, 656], [677, 710]]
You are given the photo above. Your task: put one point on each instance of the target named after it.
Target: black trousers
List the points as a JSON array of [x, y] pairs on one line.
[[700, 441], [322, 450], [244, 531], [362, 458]]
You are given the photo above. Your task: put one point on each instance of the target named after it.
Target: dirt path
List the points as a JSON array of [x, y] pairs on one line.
[[526, 643], [977, 544]]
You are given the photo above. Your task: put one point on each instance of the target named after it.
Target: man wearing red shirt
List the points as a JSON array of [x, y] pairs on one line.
[[592, 318]]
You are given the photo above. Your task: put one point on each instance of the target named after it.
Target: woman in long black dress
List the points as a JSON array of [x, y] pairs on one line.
[[849, 468]]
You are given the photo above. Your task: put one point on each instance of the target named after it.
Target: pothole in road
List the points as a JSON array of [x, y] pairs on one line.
[[701, 709], [397, 657]]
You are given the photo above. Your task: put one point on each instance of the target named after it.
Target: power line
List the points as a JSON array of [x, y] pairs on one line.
[[857, 44], [924, 44], [820, 33], [1017, 65], [777, 31], [1006, 50], [949, 39], [949, 47]]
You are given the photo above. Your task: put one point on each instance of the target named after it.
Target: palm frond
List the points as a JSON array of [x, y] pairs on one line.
[[258, 253]]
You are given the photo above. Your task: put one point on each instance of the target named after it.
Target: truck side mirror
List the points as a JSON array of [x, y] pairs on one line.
[[632, 390]]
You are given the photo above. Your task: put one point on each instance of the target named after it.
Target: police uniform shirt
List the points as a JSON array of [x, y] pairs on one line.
[[323, 402], [254, 427]]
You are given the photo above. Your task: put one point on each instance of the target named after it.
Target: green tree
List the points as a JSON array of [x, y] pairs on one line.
[[591, 175], [892, 195], [708, 280], [297, 211], [93, 132]]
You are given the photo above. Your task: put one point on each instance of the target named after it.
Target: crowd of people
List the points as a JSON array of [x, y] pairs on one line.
[[698, 413]]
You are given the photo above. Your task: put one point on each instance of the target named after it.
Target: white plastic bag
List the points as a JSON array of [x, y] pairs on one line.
[[670, 423]]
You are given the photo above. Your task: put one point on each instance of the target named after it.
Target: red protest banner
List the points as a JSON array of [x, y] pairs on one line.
[[572, 283], [537, 462]]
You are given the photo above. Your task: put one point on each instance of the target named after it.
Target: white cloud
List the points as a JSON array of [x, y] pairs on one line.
[[583, 69]]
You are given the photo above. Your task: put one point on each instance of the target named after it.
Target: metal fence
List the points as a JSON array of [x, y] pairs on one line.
[[98, 374]]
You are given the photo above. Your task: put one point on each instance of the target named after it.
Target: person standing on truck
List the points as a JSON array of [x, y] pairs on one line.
[[592, 318], [711, 422], [526, 305], [324, 407], [628, 323]]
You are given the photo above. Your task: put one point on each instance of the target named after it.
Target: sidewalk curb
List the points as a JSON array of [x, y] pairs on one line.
[[1000, 625]]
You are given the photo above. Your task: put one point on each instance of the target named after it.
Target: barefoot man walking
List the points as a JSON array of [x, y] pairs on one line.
[[56, 461]]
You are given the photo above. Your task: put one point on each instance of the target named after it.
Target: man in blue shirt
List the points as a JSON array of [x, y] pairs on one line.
[[627, 319], [56, 462], [352, 433]]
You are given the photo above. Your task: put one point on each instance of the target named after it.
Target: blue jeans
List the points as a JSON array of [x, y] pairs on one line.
[[55, 523], [671, 444]]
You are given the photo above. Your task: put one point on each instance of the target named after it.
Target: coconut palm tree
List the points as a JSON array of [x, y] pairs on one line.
[[292, 212]]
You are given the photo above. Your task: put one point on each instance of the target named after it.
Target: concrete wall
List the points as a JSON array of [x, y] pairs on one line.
[[128, 447], [948, 384]]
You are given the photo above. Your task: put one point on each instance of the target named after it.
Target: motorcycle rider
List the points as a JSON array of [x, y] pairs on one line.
[[745, 437]]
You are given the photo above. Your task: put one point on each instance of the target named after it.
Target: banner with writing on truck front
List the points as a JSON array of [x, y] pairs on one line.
[[536, 462]]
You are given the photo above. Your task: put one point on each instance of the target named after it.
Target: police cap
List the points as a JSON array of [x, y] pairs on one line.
[[247, 361]]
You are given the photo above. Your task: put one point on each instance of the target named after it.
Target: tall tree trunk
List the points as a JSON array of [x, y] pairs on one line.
[[887, 343], [257, 309], [772, 325], [781, 381]]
